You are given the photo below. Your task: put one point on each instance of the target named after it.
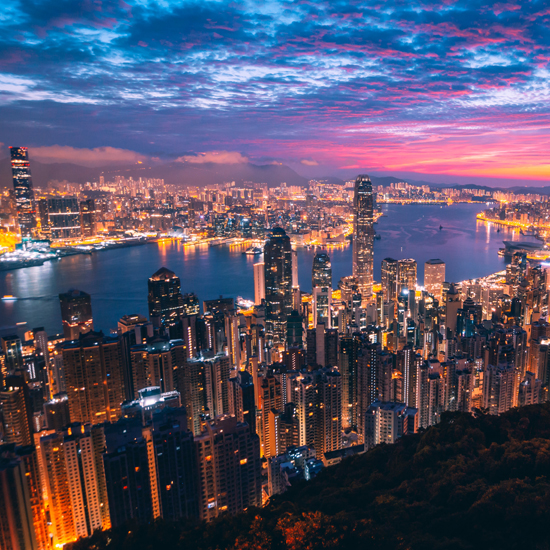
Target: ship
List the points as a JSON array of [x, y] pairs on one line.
[[253, 251]]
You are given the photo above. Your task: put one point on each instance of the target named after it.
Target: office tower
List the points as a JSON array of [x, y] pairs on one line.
[[434, 277], [452, 305], [23, 190], [271, 401], [218, 306], [151, 366], [278, 285], [15, 415], [64, 218], [13, 353], [389, 279], [295, 330], [94, 378], [322, 304], [87, 218], [500, 388], [175, 464], [406, 276], [242, 403], [363, 237], [76, 314], [228, 458], [386, 422], [259, 283], [17, 529], [165, 299], [321, 273]]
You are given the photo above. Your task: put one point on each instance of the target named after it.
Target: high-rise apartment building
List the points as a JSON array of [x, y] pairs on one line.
[[228, 460], [259, 283], [94, 378], [278, 285], [76, 313], [363, 237], [385, 422], [434, 277], [15, 416], [23, 190]]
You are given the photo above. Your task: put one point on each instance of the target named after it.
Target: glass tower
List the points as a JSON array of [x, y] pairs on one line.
[[363, 237], [278, 284], [22, 187], [321, 273]]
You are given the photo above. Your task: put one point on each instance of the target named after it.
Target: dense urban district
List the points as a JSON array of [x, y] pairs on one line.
[[194, 414]]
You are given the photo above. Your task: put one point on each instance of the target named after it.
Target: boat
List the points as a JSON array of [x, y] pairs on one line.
[[253, 251], [440, 227], [378, 236], [9, 298], [498, 229]]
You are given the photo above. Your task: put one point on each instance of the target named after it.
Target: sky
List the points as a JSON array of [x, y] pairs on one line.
[[440, 91]]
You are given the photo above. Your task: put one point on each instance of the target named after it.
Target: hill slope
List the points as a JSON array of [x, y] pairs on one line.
[[464, 484]]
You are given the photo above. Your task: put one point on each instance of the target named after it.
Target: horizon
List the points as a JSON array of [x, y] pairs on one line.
[[443, 92]]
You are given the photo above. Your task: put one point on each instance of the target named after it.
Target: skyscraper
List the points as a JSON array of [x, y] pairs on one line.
[[64, 217], [76, 313], [278, 284], [165, 300], [363, 237], [434, 277], [23, 190], [321, 273], [406, 276], [259, 283], [87, 218], [389, 278]]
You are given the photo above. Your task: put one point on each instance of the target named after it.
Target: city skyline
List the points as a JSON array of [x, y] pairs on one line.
[[438, 89]]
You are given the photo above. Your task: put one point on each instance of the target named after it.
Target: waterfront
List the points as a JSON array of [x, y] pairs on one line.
[[117, 279]]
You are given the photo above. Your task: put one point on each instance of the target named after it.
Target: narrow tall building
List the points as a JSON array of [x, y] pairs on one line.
[[389, 279], [434, 277], [165, 300], [259, 283], [406, 276], [278, 285], [23, 190], [363, 237]]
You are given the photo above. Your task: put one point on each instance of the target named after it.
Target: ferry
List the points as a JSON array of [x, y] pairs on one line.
[[253, 251], [9, 298]]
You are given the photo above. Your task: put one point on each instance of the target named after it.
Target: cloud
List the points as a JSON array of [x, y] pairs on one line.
[[85, 157], [215, 157], [307, 162]]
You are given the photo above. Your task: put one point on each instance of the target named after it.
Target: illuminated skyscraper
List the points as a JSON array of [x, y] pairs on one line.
[[76, 313], [406, 276], [165, 300], [23, 190], [321, 273], [87, 218], [363, 236], [64, 218], [389, 278], [434, 277], [278, 284]]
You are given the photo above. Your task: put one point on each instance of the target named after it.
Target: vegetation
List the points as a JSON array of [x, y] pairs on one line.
[[466, 483]]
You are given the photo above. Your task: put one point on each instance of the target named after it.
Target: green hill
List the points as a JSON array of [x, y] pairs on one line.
[[463, 484]]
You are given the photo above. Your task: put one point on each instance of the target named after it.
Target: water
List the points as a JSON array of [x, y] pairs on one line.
[[117, 279]]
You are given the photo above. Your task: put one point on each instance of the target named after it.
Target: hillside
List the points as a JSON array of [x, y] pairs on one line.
[[464, 484]]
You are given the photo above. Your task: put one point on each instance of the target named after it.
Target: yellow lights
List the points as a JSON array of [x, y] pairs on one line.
[[244, 461], [208, 458]]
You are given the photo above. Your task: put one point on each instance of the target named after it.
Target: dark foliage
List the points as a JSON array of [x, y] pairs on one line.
[[467, 483]]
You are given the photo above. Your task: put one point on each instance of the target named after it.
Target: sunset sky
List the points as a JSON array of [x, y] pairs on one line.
[[444, 91]]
